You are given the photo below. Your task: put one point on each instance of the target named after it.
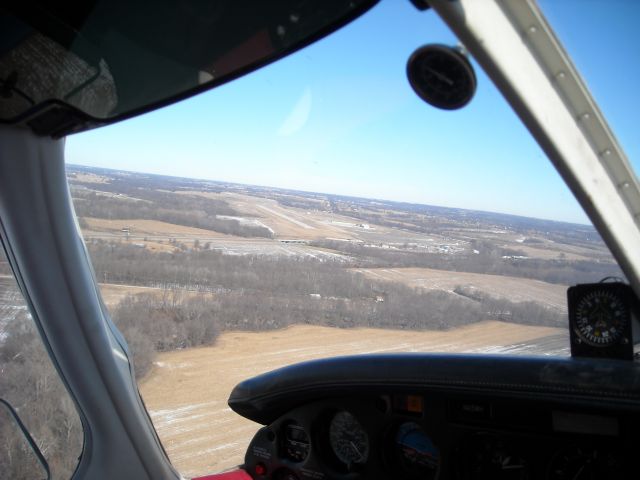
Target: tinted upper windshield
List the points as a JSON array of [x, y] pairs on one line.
[[108, 59]]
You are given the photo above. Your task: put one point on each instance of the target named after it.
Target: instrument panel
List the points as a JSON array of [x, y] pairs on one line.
[[570, 425], [441, 438]]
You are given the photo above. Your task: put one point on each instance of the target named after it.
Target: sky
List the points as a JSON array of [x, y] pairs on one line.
[[340, 117]]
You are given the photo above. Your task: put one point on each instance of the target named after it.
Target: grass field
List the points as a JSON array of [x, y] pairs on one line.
[[515, 289], [186, 392], [151, 227]]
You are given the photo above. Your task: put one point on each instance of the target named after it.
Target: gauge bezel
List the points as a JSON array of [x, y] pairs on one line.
[[478, 445], [393, 460], [457, 63], [621, 345], [356, 428], [611, 333], [598, 459], [323, 447], [284, 440]]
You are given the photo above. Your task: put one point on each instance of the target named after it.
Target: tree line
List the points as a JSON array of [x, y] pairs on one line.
[[178, 209], [5, 269], [269, 292], [489, 260], [151, 325], [29, 382]]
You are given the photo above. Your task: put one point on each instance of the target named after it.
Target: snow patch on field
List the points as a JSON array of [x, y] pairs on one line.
[[172, 366], [12, 305], [251, 222], [179, 412]]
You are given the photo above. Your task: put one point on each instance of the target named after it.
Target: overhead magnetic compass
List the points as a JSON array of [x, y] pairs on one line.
[[442, 76]]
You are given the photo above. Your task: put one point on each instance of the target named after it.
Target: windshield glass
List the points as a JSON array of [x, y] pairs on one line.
[[609, 63], [315, 208], [29, 382]]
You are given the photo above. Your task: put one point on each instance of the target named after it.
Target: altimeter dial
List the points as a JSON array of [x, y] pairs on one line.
[[349, 441]]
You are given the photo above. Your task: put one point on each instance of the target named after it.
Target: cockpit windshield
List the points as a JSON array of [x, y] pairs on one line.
[[319, 207]]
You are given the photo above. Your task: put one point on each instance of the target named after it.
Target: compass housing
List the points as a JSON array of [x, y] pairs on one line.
[[600, 317], [442, 76]]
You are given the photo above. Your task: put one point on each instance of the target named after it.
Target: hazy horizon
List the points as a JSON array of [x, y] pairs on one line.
[[310, 192]]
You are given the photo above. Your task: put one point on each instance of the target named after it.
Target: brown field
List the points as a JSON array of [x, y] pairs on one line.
[[112, 294], [90, 178], [551, 251], [511, 288], [157, 246], [186, 392], [149, 227], [543, 248]]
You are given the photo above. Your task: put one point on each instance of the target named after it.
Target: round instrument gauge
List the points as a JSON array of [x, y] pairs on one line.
[[491, 458], [575, 463], [415, 453], [600, 318], [284, 474], [441, 76], [348, 440], [296, 444]]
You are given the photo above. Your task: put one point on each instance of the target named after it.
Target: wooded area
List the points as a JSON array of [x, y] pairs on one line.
[[29, 382], [489, 259]]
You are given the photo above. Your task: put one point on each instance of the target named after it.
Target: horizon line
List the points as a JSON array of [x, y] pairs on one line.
[[284, 189]]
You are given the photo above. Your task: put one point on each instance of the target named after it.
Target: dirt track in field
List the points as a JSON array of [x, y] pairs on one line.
[[186, 392]]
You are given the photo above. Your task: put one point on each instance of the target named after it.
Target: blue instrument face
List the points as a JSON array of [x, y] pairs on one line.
[[415, 452]]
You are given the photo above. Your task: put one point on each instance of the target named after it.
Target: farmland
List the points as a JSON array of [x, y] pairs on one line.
[[334, 250], [194, 271], [511, 288]]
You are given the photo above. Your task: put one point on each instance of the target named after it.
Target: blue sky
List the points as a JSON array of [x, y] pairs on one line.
[[340, 117]]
